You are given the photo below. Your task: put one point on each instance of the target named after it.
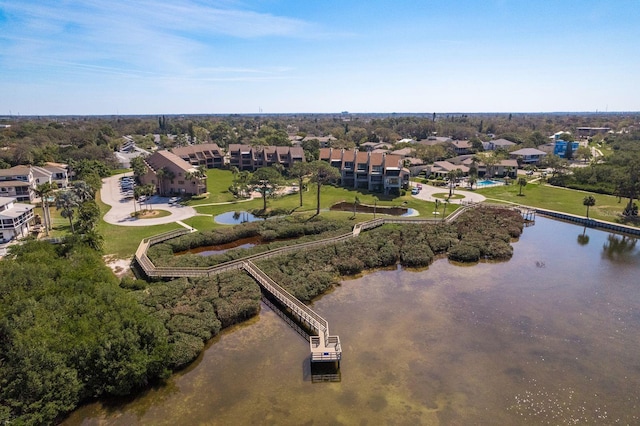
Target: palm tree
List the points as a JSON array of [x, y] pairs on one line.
[[444, 208], [44, 191], [588, 202], [522, 182], [83, 191], [453, 176], [160, 174], [472, 179], [67, 201], [321, 173], [299, 170]]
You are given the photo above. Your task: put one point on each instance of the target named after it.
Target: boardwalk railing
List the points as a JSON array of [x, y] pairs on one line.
[[324, 347], [174, 272]]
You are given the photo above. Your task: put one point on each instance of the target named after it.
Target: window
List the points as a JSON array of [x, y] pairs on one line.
[[180, 182]]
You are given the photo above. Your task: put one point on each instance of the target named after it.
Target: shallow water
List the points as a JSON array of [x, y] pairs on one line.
[[551, 336]]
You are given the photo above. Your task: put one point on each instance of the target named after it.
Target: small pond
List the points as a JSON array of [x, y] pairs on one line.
[[243, 243], [235, 218]]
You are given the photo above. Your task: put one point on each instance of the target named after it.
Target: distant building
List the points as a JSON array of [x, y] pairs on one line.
[[504, 168], [560, 147], [492, 145], [442, 168], [527, 155], [324, 141], [372, 146], [461, 147], [584, 132]]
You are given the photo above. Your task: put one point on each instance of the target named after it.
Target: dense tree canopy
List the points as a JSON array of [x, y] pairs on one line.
[[68, 332]]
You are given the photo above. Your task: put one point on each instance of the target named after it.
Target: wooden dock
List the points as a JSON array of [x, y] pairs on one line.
[[323, 346]]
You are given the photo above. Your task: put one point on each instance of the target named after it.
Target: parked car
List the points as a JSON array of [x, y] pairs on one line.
[[414, 191]]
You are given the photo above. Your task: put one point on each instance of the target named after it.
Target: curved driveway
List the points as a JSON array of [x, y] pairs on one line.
[[121, 208], [427, 192]]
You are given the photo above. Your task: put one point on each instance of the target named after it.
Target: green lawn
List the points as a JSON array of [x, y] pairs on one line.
[[558, 199], [122, 241], [218, 183], [329, 195]]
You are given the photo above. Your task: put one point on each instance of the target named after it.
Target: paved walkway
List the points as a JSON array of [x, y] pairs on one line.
[[121, 208], [427, 192]]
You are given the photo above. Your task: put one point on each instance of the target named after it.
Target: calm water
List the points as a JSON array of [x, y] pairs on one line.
[[235, 218], [550, 337]]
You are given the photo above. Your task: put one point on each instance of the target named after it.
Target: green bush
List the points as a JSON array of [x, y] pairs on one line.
[[416, 257], [464, 252], [348, 266], [133, 283], [184, 348]]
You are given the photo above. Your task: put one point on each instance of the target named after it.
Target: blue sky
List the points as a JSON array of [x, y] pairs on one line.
[[197, 56]]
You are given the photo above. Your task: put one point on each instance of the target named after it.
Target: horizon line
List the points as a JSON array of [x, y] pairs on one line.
[[344, 113]]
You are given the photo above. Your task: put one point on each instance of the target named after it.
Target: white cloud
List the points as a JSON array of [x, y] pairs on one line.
[[142, 38]]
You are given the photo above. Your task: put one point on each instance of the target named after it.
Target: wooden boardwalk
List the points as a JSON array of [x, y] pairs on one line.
[[323, 346]]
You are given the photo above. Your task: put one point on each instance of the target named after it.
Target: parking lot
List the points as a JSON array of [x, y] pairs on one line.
[[117, 192]]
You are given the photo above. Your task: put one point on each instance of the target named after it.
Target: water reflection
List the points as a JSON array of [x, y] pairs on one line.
[[235, 218], [620, 249], [583, 239]]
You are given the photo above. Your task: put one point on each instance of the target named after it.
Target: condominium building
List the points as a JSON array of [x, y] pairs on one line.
[[377, 172], [207, 154], [248, 157], [171, 175]]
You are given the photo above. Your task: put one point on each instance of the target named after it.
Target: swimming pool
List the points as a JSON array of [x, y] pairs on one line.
[[487, 182]]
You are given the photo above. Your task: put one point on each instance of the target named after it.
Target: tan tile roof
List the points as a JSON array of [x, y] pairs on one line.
[[163, 158], [198, 149], [336, 154], [362, 157], [394, 161], [16, 171], [325, 153]]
